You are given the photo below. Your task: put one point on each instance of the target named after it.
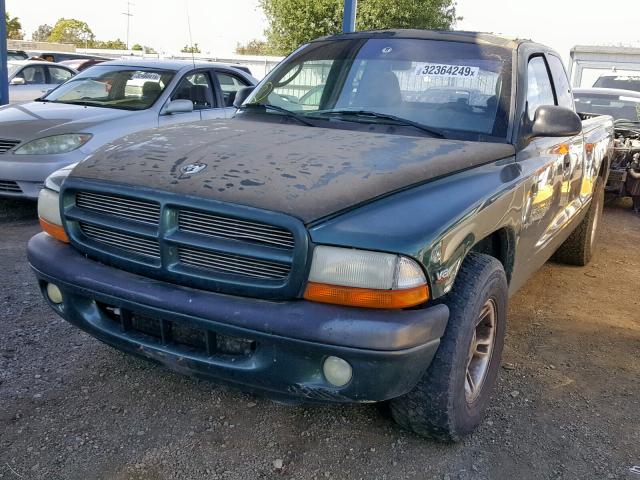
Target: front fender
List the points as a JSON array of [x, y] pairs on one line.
[[436, 223]]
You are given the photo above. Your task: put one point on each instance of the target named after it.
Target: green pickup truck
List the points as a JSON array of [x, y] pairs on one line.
[[352, 235]]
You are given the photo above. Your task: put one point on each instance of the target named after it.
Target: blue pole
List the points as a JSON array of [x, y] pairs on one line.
[[349, 19], [4, 74]]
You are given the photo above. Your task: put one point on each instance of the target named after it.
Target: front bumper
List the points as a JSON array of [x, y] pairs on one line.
[[23, 176], [282, 344]]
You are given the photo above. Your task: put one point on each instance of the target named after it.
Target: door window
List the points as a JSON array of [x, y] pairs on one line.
[[33, 75], [197, 88], [561, 82], [539, 89], [59, 75], [230, 84]]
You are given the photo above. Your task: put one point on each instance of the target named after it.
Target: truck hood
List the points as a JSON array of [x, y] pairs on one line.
[[301, 171], [30, 120]]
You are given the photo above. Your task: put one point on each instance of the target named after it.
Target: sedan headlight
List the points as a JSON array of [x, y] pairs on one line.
[[363, 278], [54, 144], [49, 204]]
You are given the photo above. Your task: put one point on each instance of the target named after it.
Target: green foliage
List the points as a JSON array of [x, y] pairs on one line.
[[293, 22], [42, 33], [254, 47], [14, 27], [191, 49], [70, 30], [116, 44], [137, 46]]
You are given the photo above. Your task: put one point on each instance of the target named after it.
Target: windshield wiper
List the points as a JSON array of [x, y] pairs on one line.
[[385, 116], [289, 113]]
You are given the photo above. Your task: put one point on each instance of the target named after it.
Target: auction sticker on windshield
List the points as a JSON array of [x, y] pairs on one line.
[[446, 71]]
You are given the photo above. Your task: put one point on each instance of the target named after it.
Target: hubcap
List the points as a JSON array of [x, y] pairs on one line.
[[480, 351], [596, 221]]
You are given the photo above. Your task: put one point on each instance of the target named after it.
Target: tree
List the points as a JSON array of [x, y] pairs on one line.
[[191, 49], [14, 27], [293, 22], [253, 47], [42, 33], [137, 47], [70, 30], [116, 44]]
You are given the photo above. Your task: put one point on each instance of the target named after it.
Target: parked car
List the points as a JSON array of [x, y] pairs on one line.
[[624, 107], [82, 63], [360, 251], [56, 57], [30, 79], [621, 82], [17, 55], [101, 104]]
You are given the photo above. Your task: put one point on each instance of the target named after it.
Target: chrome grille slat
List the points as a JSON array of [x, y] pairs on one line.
[[130, 243], [231, 228], [232, 264], [6, 145], [130, 209]]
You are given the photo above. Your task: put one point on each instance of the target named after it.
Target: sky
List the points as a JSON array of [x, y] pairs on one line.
[[217, 25]]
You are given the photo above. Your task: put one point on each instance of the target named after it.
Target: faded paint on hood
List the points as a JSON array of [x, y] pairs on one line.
[[302, 171], [30, 120]]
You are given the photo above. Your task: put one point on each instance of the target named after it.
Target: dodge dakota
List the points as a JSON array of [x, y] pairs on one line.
[[353, 235]]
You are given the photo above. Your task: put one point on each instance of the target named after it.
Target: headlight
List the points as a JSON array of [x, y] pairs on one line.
[[55, 180], [54, 144], [49, 204], [365, 279]]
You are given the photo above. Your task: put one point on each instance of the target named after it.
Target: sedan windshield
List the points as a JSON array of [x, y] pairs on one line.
[[445, 87], [620, 107], [126, 88]]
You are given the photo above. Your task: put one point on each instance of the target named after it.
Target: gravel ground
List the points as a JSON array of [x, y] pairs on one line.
[[566, 404]]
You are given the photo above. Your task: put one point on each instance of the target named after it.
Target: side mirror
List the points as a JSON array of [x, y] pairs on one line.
[[242, 95], [17, 81], [553, 121], [179, 106]]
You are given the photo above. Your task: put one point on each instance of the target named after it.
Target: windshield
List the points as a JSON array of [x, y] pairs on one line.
[[620, 107], [127, 88], [623, 82], [16, 56], [448, 86]]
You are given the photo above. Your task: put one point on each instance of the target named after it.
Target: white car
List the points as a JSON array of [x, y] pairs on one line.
[[31, 79]]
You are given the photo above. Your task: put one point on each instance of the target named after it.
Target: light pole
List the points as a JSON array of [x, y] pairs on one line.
[[4, 73], [349, 19], [128, 14]]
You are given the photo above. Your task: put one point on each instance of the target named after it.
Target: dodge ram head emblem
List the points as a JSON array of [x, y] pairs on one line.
[[192, 168]]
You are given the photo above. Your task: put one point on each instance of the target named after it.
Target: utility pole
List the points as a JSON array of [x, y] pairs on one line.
[[4, 73], [349, 19], [128, 14]]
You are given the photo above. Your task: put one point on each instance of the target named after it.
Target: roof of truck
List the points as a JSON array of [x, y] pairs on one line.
[[447, 35]]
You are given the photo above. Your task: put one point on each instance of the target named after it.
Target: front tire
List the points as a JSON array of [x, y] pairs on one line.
[[579, 247], [451, 398]]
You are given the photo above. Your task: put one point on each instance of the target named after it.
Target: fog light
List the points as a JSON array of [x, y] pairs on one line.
[[54, 293], [337, 371]]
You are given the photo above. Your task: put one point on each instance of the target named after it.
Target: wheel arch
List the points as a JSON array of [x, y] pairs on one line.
[[499, 244]]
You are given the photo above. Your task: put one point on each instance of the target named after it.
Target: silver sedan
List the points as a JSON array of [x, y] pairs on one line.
[[31, 79], [103, 103]]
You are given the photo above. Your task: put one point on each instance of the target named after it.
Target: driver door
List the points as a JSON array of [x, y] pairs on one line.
[[35, 84], [196, 87]]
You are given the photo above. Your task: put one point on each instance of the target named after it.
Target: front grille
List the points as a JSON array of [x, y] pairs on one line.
[[178, 335], [233, 228], [232, 264], [9, 186], [122, 241], [190, 242], [6, 145], [122, 207]]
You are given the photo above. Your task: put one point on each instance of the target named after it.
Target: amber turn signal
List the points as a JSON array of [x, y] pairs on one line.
[[366, 297], [56, 231]]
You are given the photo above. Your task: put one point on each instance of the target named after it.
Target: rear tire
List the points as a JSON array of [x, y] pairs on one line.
[[579, 247], [443, 406]]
